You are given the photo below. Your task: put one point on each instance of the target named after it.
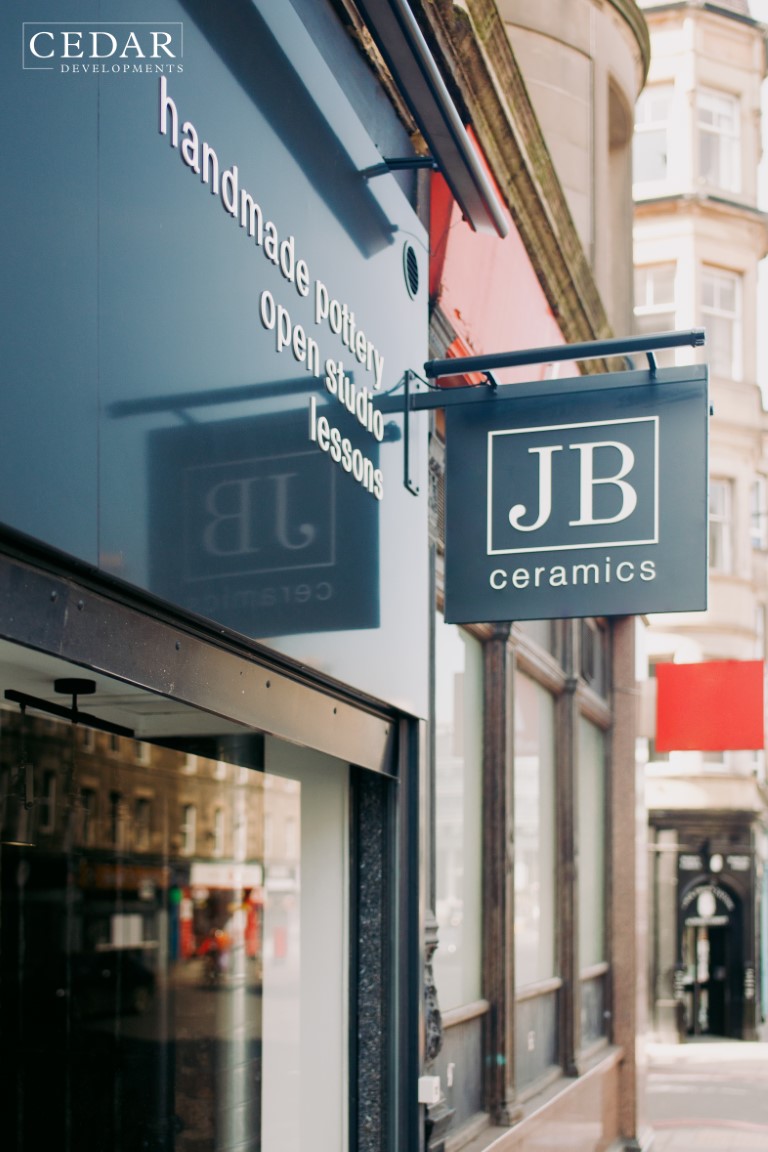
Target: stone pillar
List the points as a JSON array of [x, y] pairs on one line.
[[629, 913], [664, 942]]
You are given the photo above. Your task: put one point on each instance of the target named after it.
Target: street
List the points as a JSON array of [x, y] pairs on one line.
[[708, 1095]]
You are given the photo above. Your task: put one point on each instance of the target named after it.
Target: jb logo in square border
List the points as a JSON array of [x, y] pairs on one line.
[[567, 486]]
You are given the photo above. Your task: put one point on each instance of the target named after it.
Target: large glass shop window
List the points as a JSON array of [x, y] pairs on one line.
[[173, 943], [534, 832], [458, 813], [593, 967], [536, 983], [591, 831]]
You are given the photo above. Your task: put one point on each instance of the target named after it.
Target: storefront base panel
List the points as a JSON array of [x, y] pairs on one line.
[[194, 904], [582, 1117]]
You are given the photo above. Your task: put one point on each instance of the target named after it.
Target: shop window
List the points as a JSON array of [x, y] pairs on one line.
[[594, 655], [591, 833], [721, 525], [650, 154], [536, 983], [721, 316], [114, 954], [718, 136], [534, 789], [591, 841], [541, 632], [536, 1051], [458, 813]]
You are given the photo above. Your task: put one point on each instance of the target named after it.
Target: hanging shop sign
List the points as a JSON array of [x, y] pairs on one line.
[[578, 498]]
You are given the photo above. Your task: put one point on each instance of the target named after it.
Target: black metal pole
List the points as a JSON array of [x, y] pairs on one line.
[[591, 350]]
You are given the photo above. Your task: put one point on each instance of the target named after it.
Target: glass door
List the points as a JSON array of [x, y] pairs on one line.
[[173, 934]]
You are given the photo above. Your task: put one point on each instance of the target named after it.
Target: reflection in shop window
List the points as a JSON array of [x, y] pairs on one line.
[[115, 820], [153, 993], [47, 804], [189, 829], [218, 832], [240, 838], [89, 816], [142, 823]]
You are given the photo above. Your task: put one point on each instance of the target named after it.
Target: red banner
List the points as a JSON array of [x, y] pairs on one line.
[[710, 707]]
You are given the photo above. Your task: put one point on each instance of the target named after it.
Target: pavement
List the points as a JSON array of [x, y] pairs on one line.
[[708, 1096]]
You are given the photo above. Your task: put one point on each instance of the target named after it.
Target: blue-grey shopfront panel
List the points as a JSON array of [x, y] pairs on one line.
[[204, 297]]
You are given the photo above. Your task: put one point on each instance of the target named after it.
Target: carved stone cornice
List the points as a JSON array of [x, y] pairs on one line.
[[473, 42]]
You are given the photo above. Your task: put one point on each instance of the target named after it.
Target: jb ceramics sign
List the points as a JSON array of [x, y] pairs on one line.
[[582, 497]]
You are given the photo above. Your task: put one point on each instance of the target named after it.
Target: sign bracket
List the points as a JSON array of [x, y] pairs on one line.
[[588, 350], [416, 400]]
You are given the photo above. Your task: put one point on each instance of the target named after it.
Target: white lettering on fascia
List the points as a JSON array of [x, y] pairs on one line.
[[329, 312]]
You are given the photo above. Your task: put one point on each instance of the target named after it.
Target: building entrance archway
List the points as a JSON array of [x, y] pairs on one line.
[[712, 961]]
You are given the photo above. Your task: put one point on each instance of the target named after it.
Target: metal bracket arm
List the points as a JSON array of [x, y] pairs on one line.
[[400, 164], [591, 350]]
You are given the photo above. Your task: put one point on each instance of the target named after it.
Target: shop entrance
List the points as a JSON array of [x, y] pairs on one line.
[[712, 963], [173, 929]]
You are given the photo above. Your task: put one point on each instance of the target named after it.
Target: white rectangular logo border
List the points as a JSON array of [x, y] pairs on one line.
[[491, 551]]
